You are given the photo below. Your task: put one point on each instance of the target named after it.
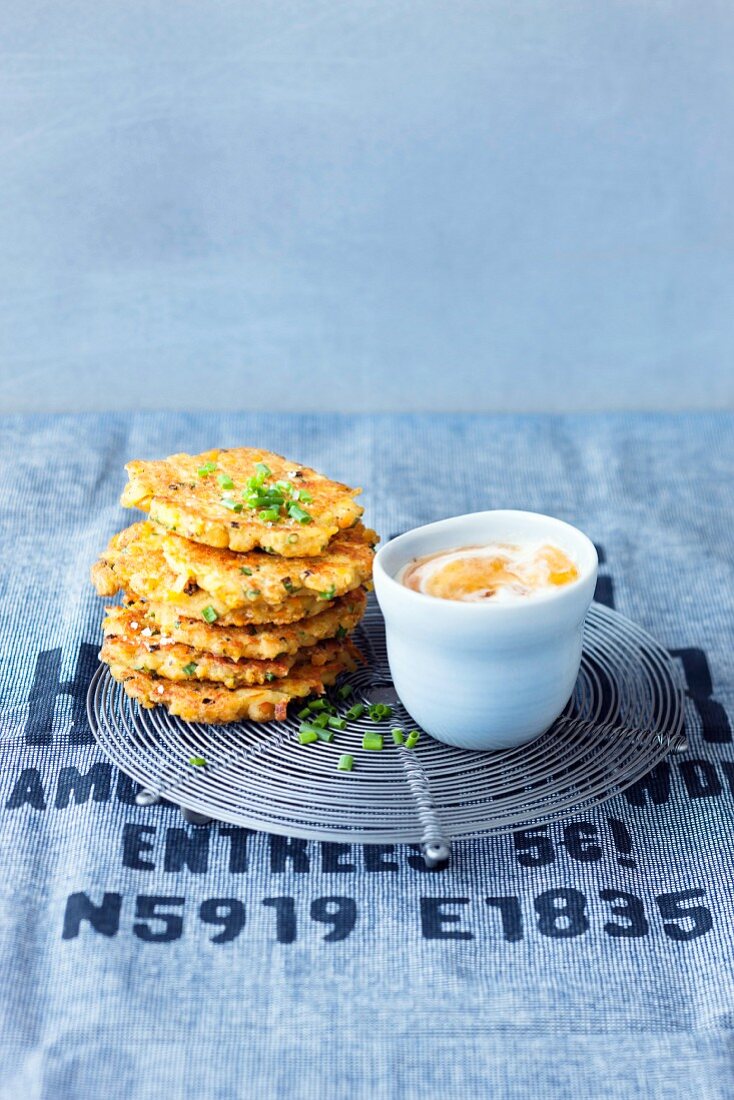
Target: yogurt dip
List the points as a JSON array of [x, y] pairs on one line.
[[498, 571]]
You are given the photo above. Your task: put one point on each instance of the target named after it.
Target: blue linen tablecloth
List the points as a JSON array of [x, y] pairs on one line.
[[618, 979]]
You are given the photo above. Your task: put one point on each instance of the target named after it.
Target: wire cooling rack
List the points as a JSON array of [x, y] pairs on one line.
[[625, 715]]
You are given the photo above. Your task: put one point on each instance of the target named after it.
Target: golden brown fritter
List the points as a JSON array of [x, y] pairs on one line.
[[205, 701], [260, 643], [174, 661], [200, 580], [205, 498]]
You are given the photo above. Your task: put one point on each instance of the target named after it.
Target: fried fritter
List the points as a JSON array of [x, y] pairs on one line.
[[205, 701], [206, 498], [173, 661], [261, 643], [200, 580]]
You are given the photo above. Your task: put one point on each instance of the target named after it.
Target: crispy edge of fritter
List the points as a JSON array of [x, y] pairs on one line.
[[108, 579], [212, 704], [177, 499], [295, 610], [256, 642], [170, 661], [241, 580], [135, 559]]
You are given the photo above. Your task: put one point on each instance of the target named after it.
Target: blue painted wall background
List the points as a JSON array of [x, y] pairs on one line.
[[448, 205]]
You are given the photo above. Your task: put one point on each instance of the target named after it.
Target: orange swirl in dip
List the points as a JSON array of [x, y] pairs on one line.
[[500, 572]]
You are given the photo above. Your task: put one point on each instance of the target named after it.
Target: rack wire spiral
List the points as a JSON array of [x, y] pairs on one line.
[[626, 714]]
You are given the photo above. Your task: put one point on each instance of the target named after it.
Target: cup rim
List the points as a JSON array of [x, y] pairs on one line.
[[558, 595]]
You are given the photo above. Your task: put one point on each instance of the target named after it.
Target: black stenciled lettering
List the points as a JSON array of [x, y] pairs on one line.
[[715, 725], [103, 918], [700, 778], [579, 838], [533, 847], [27, 791], [561, 913], [187, 848], [127, 789], [134, 843], [510, 916], [157, 908], [335, 858], [339, 912], [656, 785], [727, 766], [630, 908], [238, 844], [97, 782], [288, 849], [435, 916], [227, 912], [673, 910], [622, 842], [373, 858], [46, 688], [285, 918]]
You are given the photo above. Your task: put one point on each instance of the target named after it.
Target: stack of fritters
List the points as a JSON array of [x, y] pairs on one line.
[[240, 590]]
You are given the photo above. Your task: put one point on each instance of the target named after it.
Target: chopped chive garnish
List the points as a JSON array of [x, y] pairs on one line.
[[225, 481], [292, 538], [197, 761], [304, 495], [337, 723], [379, 712], [372, 741], [245, 570], [346, 689], [329, 593], [326, 735], [296, 512], [321, 720], [412, 739], [307, 736], [252, 593], [398, 737], [317, 704], [269, 515], [233, 505], [304, 713], [284, 486], [209, 614], [207, 468], [190, 668], [355, 712], [270, 676], [346, 763], [306, 726], [342, 633], [288, 584], [263, 471]]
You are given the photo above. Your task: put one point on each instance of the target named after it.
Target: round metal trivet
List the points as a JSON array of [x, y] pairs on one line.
[[626, 714]]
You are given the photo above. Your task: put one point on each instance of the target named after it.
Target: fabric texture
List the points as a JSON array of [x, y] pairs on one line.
[[141, 957]]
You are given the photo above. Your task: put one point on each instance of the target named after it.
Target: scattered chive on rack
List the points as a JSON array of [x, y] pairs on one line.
[[320, 718]]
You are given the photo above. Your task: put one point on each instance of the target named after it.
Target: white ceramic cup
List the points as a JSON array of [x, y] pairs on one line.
[[485, 675]]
